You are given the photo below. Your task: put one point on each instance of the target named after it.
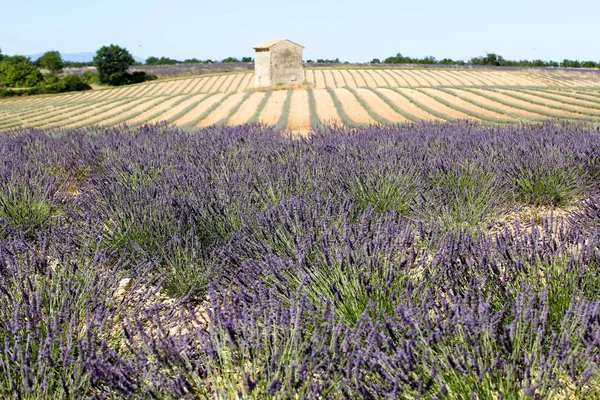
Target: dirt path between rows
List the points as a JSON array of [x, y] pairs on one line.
[[523, 104], [272, 112], [465, 104], [405, 105], [379, 106], [159, 108], [360, 82], [222, 111], [319, 79], [199, 109], [553, 103], [352, 107], [514, 111], [247, 83], [326, 110], [148, 104], [171, 113], [247, 109], [434, 104], [299, 116]]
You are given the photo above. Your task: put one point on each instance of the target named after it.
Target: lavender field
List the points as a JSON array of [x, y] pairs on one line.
[[422, 261]]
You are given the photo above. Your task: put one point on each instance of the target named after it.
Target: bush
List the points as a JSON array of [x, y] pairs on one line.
[[90, 77], [139, 77], [9, 93], [72, 83], [126, 78], [51, 79], [18, 71]]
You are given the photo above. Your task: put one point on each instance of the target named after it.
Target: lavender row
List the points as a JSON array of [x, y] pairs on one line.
[[237, 262]]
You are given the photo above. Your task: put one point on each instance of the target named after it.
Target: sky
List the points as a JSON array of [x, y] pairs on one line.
[[351, 30]]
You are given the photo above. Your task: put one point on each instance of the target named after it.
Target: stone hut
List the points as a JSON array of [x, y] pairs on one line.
[[278, 62]]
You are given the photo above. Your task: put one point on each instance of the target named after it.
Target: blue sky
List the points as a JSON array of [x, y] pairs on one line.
[[351, 30]]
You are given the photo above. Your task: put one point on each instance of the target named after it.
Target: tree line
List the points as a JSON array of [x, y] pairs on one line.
[[19, 72], [19, 75], [152, 60], [491, 59]]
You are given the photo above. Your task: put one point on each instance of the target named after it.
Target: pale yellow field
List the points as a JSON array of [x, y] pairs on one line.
[[351, 96]]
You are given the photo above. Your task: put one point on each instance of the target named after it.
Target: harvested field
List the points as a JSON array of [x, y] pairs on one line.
[[554, 104], [360, 81], [326, 111], [489, 79], [378, 79], [247, 109], [272, 112], [486, 94], [223, 111], [430, 103], [172, 114], [352, 107], [214, 81], [226, 86], [76, 116], [83, 113], [339, 78], [440, 81], [193, 86], [494, 106], [121, 116], [426, 79], [319, 79], [448, 78], [177, 87], [299, 120], [514, 102], [157, 110], [461, 78], [369, 81], [570, 97], [387, 79], [193, 116], [329, 79], [244, 82], [407, 77], [465, 105], [379, 106], [404, 104]]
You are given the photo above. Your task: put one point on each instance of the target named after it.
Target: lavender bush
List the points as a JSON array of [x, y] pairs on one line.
[[238, 262]]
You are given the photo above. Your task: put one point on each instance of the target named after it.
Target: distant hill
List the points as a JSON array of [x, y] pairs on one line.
[[80, 57]]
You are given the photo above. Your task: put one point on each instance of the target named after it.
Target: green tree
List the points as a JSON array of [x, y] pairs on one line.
[[72, 83], [1, 55], [18, 71], [112, 63], [52, 61], [493, 59]]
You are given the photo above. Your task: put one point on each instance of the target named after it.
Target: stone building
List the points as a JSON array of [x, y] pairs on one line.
[[278, 62]]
